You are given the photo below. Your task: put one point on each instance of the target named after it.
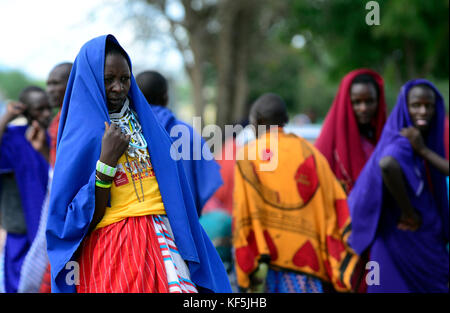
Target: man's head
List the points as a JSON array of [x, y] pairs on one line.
[[269, 109], [37, 105], [421, 106], [154, 87], [364, 93], [56, 84]]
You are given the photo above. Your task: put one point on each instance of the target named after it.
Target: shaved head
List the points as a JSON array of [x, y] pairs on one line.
[[57, 82], [154, 87], [269, 109]]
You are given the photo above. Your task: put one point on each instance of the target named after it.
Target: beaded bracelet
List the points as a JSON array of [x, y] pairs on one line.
[[105, 169], [102, 184]]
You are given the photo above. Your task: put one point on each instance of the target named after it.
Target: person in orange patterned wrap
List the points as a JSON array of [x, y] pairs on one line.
[[290, 216]]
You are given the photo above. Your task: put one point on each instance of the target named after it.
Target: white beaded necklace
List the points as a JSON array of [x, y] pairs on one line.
[[128, 123]]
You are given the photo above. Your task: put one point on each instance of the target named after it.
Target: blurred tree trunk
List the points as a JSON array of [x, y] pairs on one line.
[[228, 46], [236, 42]]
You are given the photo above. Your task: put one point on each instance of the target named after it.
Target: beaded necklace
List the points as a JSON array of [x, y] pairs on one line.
[[128, 123], [137, 148]]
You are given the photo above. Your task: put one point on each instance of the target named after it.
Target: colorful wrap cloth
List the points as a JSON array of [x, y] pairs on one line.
[[339, 140], [294, 216]]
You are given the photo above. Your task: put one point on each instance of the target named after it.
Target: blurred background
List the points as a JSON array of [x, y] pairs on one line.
[[220, 55]]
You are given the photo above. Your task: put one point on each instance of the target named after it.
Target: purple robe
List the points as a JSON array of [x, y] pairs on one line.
[[408, 261]]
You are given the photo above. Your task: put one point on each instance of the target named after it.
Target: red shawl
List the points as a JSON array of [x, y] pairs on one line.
[[339, 140], [53, 132]]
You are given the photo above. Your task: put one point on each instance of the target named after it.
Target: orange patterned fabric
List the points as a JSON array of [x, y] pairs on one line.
[[296, 214]]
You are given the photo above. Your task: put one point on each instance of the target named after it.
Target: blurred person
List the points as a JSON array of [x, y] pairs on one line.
[[118, 198], [353, 125], [399, 205], [56, 88], [202, 171], [24, 154], [290, 224]]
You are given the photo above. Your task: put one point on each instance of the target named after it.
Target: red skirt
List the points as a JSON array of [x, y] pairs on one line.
[[123, 257]]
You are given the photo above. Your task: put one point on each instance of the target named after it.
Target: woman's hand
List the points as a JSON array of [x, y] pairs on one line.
[[258, 279], [415, 139], [36, 135], [114, 144], [14, 109]]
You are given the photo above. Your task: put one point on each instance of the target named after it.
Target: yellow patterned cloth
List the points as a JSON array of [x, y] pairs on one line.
[[295, 214]]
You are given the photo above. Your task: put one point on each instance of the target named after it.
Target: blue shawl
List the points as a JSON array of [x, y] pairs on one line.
[[31, 174], [202, 172], [72, 200], [420, 256]]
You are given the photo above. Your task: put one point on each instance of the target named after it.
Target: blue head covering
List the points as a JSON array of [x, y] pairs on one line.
[[202, 171], [420, 254], [72, 201]]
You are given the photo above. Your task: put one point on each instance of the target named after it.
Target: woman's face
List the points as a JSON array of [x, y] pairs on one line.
[[117, 81], [421, 107], [364, 102]]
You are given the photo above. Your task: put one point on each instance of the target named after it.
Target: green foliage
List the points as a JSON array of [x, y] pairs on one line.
[[410, 42], [12, 82]]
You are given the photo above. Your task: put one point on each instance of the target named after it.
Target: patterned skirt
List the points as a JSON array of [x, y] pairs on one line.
[[135, 255], [279, 281]]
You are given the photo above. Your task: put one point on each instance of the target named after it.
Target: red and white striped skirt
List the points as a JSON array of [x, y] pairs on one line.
[[135, 255]]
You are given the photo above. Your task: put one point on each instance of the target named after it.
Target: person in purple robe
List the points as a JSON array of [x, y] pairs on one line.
[[399, 205], [24, 174]]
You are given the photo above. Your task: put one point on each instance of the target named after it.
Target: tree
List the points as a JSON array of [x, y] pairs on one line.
[[217, 38]]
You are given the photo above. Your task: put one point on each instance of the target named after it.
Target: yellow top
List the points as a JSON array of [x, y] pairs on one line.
[[124, 201]]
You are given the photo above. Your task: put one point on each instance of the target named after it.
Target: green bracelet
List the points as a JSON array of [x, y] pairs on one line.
[[103, 184]]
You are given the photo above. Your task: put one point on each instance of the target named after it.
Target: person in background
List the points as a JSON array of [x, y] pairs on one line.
[[353, 125], [24, 154], [202, 171], [290, 220], [56, 88], [399, 205]]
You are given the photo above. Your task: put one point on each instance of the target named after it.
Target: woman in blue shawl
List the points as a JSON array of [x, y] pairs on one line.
[[79, 186], [399, 205]]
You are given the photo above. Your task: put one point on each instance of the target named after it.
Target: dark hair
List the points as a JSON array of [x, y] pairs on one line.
[[366, 79], [270, 108], [112, 48], [24, 95], [67, 66], [154, 87]]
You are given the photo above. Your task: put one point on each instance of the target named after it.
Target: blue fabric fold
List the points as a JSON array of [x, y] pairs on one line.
[[409, 261], [31, 174], [72, 200], [202, 171]]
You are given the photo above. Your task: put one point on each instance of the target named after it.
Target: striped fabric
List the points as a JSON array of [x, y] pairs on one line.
[[125, 257], [176, 269]]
